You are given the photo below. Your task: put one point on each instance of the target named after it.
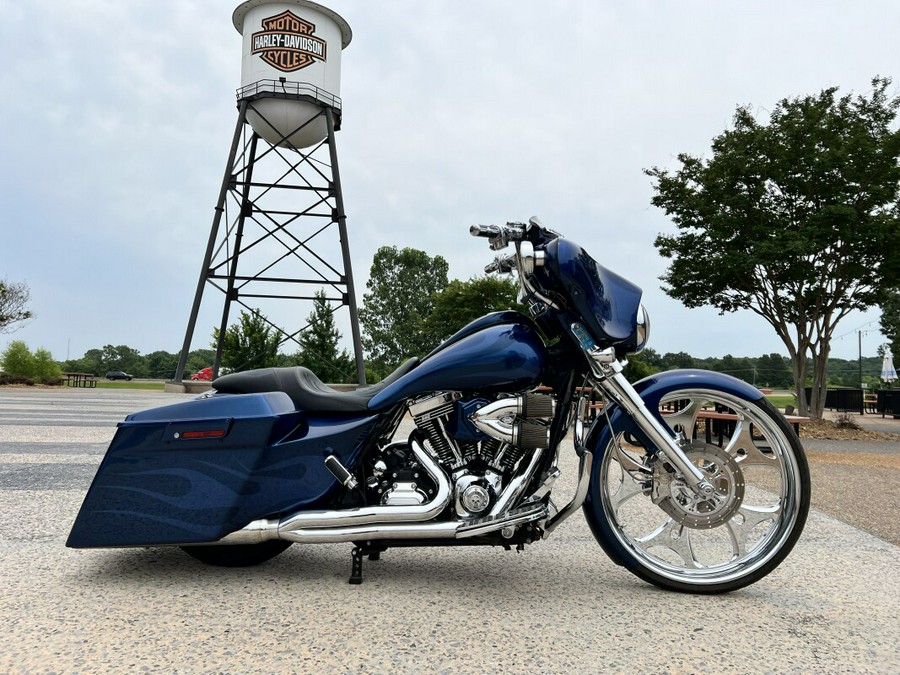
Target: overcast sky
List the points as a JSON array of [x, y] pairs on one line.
[[117, 116]]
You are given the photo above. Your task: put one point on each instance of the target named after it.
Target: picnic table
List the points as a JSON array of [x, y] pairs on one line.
[[721, 424], [80, 379]]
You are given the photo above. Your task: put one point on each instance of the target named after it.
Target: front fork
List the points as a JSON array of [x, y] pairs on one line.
[[608, 373]]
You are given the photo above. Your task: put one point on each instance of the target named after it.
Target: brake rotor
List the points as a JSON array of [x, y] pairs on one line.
[[701, 512]]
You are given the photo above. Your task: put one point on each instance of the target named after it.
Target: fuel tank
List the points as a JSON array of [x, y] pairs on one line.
[[502, 351]]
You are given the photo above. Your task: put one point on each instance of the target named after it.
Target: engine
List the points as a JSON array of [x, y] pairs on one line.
[[477, 441]]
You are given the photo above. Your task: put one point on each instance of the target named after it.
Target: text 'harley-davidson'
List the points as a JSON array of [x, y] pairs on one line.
[[689, 479]]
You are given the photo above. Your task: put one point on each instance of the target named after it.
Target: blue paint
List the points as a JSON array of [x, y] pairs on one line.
[[153, 488], [504, 357], [606, 302]]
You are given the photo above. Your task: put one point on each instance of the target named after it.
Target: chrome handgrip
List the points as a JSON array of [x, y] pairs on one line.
[[485, 230], [501, 264]]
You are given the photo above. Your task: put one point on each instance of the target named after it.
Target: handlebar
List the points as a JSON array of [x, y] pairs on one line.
[[501, 264], [500, 235], [524, 262], [485, 230]]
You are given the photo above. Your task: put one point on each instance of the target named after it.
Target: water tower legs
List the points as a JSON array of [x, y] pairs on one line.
[[274, 246]]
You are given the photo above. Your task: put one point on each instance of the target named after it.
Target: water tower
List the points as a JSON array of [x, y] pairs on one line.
[[285, 229]]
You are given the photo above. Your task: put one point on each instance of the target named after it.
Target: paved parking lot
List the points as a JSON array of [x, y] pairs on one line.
[[559, 607]]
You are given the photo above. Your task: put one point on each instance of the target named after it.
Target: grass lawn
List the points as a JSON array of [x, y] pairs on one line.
[[782, 401], [119, 384]]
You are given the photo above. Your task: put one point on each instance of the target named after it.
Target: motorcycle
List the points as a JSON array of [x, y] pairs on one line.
[[689, 479]]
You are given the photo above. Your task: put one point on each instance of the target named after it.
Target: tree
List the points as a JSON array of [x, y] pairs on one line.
[[672, 360], [464, 301], [890, 319], [198, 360], [14, 297], [122, 357], [18, 360], [319, 345], [400, 296], [737, 367], [795, 220], [251, 343], [773, 370], [45, 369], [160, 364]]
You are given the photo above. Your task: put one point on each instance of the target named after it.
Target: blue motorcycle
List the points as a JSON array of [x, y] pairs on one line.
[[689, 479]]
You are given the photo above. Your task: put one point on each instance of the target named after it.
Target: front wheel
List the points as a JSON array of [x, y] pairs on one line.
[[648, 520]]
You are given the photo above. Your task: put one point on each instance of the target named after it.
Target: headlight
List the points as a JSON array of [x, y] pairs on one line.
[[643, 329]]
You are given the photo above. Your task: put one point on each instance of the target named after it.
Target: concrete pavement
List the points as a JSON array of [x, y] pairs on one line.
[[561, 606]]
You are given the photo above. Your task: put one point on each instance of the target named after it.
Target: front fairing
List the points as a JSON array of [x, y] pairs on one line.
[[606, 303]]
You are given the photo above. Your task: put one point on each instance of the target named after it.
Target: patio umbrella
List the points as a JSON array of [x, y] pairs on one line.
[[888, 373]]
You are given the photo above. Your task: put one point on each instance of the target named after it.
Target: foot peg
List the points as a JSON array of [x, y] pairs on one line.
[[524, 514], [339, 471]]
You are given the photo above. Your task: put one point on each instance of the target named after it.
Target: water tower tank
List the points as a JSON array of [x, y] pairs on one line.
[[291, 67]]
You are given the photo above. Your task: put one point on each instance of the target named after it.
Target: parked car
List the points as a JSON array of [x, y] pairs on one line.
[[203, 374], [118, 375]]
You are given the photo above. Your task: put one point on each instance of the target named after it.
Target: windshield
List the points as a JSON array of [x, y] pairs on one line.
[[607, 303]]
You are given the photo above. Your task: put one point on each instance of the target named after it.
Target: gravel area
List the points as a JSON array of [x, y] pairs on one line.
[[559, 607]]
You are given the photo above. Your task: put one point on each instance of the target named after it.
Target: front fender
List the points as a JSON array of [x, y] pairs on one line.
[[651, 389]]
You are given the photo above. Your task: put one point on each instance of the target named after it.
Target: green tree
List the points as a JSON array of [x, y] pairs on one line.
[[740, 368], [14, 297], [122, 357], [401, 290], [18, 360], [773, 370], [197, 360], [91, 362], [890, 319], [671, 360], [250, 343], [464, 301], [639, 366], [45, 368], [319, 345], [160, 364], [795, 220]]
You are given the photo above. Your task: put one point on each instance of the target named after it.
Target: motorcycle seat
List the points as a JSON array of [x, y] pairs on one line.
[[306, 390]]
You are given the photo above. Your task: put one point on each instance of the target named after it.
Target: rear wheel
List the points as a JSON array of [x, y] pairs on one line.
[[239, 555], [648, 520]]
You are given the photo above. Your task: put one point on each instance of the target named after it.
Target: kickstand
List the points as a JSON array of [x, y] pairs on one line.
[[356, 576], [358, 553]]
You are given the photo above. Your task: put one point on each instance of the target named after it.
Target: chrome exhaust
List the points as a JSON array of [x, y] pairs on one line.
[[373, 523], [312, 526]]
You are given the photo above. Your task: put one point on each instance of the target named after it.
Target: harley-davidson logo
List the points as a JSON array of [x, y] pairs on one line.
[[287, 43]]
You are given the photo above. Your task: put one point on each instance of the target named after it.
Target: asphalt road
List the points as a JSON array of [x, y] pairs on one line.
[[559, 607]]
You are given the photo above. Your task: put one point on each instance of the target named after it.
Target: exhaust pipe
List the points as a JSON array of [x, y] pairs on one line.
[[387, 522], [324, 526]]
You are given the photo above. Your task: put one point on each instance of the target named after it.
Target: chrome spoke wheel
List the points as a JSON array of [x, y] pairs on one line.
[[659, 528]]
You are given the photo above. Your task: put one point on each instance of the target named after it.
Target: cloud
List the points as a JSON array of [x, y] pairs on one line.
[[118, 116]]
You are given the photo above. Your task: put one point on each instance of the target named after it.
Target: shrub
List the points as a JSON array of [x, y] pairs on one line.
[[15, 379], [17, 359], [845, 421]]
